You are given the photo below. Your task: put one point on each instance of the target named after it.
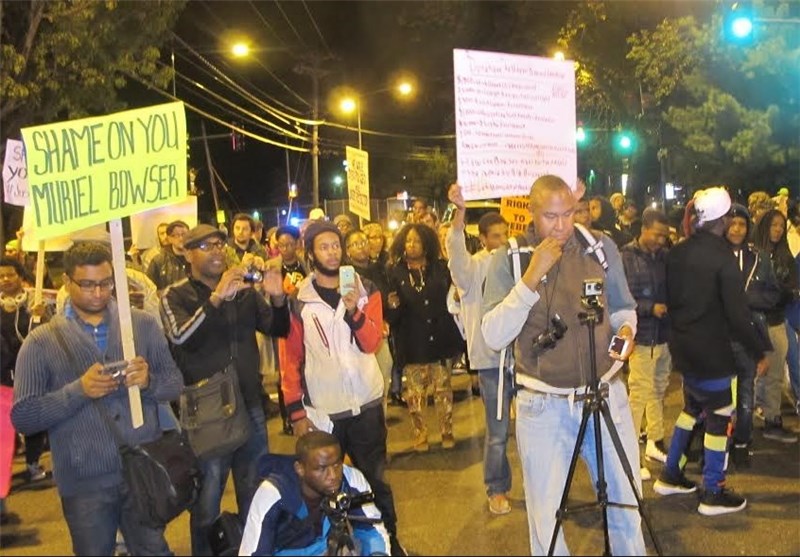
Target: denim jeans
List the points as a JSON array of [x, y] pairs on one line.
[[547, 430], [94, 517], [496, 469], [793, 357], [243, 462], [745, 392]]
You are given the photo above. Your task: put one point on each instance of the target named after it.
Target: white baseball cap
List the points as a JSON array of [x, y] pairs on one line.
[[711, 204]]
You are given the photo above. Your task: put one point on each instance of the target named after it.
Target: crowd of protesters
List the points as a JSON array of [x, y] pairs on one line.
[[422, 305]]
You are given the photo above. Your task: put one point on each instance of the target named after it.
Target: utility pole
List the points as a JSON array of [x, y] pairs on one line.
[[211, 176], [313, 69]]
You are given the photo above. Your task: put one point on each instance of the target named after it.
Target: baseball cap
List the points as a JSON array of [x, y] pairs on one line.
[[316, 228], [200, 233], [711, 204], [316, 214]]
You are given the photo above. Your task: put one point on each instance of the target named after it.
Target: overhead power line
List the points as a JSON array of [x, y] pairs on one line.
[[316, 27], [289, 23]]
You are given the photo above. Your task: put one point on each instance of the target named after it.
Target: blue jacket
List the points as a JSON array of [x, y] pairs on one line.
[[278, 521]]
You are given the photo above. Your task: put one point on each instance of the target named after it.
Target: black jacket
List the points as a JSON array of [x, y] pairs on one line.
[[647, 281], [707, 308], [200, 334], [425, 332]]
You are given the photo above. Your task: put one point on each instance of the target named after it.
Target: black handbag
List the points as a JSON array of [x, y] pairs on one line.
[[163, 476], [212, 411], [225, 535]]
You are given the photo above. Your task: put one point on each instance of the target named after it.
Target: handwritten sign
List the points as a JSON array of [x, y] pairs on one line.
[[144, 226], [31, 238], [517, 212], [515, 121], [84, 172], [15, 174], [358, 181]]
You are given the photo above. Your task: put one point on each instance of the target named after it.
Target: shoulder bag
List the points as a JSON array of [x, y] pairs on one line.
[[212, 411]]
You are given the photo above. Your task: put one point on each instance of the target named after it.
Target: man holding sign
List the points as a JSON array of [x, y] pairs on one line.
[[63, 371]]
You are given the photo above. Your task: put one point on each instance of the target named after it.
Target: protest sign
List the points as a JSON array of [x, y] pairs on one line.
[[31, 238], [516, 211], [358, 181], [90, 171], [515, 121], [144, 225], [15, 174]]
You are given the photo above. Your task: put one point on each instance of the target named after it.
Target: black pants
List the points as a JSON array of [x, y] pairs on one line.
[[363, 439], [34, 447]]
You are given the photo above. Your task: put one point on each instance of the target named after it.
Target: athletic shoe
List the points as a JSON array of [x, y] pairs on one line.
[[645, 474], [499, 504], [655, 450], [722, 502], [668, 484], [774, 430], [448, 441], [36, 473]]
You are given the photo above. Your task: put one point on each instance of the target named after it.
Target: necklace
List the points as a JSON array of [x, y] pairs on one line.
[[417, 286], [11, 303]]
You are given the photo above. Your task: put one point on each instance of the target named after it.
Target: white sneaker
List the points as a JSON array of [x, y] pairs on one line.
[[655, 451], [645, 474]]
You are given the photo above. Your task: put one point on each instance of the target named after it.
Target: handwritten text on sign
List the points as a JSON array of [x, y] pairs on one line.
[[358, 181], [84, 172], [515, 121], [15, 174], [516, 211]]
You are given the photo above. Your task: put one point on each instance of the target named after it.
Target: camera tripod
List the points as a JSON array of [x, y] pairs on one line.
[[340, 536], [596, 405]]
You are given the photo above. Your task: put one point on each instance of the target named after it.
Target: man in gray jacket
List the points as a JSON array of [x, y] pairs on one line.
[[553, 363], [59, 394]]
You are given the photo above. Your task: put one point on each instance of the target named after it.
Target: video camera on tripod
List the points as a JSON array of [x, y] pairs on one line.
[[337, 508]]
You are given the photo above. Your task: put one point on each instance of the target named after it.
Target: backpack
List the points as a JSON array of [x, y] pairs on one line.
[[519, 253]]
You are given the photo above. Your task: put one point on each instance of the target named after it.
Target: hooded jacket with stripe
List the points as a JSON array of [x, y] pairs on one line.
[[329, 356]]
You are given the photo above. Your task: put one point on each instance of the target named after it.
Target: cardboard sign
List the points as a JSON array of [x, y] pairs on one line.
[[15, 174], [358, 181], [515, 121], [90, 171], [144, 233], [517, 212], [31, 238]]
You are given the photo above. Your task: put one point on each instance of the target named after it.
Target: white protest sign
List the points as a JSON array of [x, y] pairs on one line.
[[358, 181], [144, 225], [15, 174], [31, 240], [515, 121]]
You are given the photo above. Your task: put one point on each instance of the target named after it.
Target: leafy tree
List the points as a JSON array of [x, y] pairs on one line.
[[730, 110], [65, 59]]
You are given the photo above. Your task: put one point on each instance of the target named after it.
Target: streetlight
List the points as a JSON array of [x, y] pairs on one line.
[[240, 49], [348, 105]]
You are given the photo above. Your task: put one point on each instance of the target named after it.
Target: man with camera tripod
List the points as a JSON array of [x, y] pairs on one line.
[[313, 502], [553, 364]]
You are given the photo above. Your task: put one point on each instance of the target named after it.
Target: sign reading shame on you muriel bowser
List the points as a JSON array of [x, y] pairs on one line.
[[90, 171]]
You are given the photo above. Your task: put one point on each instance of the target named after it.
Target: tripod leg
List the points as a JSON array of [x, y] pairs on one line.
[[602, 485], [626, 467], [562, 507]]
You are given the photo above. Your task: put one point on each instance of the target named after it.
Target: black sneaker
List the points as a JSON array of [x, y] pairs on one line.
[[740, 454], [774, 430], [667, 484], [722, 502]]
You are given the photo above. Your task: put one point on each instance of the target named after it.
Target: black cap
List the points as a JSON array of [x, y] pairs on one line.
[[200, 233], [316, 228]]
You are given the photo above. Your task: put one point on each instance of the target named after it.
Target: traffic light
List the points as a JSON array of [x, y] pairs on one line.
[[581, 137], [738, 23], [237, 139], [624, 143]]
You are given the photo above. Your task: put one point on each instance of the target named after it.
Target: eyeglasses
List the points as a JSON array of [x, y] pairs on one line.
[[89, 286], [209, 246], [359, 244]]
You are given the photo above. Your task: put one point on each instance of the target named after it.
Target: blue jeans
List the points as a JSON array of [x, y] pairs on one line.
[[547, 429], [246, 479], [496, 469], [793, 355], [93, 519]]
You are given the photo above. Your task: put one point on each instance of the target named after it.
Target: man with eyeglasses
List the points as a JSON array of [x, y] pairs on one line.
[[169, 265], [57, 392], [202, 314]]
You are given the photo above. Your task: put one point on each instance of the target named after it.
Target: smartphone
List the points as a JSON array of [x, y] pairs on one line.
[[618, 345], [115, 369], [347, 279]]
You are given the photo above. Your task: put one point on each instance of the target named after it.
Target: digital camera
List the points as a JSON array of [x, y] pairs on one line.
[[253, 275], [552, 335]]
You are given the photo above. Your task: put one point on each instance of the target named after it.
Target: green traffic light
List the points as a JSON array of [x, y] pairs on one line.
[[741, 27], [580, 135], [625, 142]]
